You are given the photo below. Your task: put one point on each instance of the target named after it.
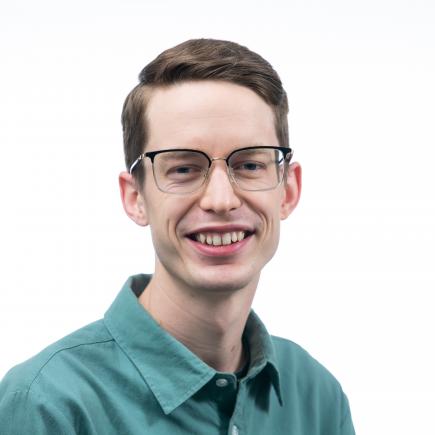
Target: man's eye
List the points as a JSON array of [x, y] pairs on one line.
[[249, 166], [184, 171]]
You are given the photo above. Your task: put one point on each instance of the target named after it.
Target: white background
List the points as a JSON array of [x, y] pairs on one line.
[[353, 279]]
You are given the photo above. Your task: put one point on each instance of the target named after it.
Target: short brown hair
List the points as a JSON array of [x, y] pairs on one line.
[[200, 59]]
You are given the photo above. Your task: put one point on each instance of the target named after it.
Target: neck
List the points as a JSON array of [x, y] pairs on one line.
[[211, 326]]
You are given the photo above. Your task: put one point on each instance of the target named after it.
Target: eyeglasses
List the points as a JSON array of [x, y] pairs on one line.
[[185, 171]]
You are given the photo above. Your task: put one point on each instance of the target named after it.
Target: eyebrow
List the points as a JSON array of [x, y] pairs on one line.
[[254, 151], [179, 153]]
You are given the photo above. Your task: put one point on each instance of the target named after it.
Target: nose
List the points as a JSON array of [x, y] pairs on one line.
[[219, 194]]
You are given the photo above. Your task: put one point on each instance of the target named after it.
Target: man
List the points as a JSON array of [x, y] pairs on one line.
[[181, 351]]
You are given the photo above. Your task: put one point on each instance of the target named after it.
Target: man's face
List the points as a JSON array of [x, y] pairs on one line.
[[217, 118]]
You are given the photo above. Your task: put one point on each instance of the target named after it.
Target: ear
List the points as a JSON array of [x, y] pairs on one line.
[[292, 190], [132, 199]]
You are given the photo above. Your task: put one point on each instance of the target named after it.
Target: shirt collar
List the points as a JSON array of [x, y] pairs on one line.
[[262, 350], [155, 352]]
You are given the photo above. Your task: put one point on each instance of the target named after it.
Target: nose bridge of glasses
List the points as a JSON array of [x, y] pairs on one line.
[[225, 159], [227, 168], [212, 159]]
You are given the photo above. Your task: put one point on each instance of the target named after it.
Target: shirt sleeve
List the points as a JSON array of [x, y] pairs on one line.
[[346, 427], [24, 413]]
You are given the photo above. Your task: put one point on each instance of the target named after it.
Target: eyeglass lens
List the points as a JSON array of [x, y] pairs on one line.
[[252, 169]]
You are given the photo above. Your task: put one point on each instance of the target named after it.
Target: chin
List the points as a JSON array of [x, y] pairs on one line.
[[220, 279]]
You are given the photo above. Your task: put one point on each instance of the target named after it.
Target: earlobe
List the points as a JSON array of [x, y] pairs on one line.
[[292, 190], [132, 199]]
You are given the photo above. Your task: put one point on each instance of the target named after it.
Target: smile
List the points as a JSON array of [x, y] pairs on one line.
[[219, 239]]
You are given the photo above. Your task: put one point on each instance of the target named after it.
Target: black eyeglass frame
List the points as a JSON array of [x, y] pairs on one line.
[[287, 156]]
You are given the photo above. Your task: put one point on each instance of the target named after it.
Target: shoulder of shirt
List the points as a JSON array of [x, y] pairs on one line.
[[297, 364], [24, 376]]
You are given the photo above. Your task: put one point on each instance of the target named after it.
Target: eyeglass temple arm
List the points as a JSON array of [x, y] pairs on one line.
[[134, 164]]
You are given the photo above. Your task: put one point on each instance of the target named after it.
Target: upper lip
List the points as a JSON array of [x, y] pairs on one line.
[[221, 229]]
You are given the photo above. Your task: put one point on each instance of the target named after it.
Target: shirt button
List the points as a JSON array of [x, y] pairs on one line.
[[235, 430], [222, 382]]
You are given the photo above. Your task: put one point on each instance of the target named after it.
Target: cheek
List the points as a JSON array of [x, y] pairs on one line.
[[275, 227], [272, 222], [267, 206], [165, 217]]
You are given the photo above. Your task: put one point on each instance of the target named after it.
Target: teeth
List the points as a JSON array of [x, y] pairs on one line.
[[226, 239], [216, 239]]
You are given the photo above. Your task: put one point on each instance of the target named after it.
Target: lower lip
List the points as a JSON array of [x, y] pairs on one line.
[[219, 251]]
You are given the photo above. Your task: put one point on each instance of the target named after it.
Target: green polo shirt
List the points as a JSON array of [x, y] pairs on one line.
[[125, 375]]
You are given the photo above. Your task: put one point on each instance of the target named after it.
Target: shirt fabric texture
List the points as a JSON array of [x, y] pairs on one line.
[[125, 375]]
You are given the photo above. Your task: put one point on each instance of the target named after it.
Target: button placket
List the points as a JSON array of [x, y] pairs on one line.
[[236, 421]]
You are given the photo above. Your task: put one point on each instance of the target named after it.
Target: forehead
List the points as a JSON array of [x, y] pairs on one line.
[[208, 115]]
